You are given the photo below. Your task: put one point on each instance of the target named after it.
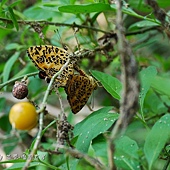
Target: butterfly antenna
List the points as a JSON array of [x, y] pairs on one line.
[[90, 105], [78, 45], [63, 45]]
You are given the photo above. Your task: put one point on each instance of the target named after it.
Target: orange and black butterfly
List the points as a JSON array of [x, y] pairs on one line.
[[49, 60], [78, 89]]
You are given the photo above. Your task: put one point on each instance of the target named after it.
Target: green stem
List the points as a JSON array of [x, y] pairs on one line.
[[48, 165], [41, 116], [17, 78]]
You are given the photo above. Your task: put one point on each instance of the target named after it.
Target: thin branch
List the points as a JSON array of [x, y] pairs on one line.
[[63, 116], [74, 25], [159, 13], [64, 128], [76, 154], [48, 165], [166, 164], [141, 31], [17, 78], [50, 85], [32, 23], [130, 92], [41, 111]]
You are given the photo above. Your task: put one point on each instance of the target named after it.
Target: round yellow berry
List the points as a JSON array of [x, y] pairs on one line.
[[23, 116]]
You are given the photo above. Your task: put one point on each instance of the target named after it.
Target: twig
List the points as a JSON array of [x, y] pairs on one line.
[[143, 30], [17, 78], [50, 85], [158, 12], [62, 117], [89, 53], [130, 92], [48, 165], [166, 164], [64, 128], [32, 23], [41, 111], [76, 154]]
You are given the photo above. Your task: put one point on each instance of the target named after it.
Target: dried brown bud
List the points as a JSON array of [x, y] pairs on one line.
[[20, 90]]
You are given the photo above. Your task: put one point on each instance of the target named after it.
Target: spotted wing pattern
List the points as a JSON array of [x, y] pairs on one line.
[[49, 59], [78, 89]]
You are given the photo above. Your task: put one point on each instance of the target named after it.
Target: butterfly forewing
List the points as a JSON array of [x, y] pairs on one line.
[[49, 59], [79, 89]]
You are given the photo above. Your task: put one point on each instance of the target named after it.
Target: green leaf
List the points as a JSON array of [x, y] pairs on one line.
[[127, 10], [3, 32], [37, 13], [19, 166], [3, 2], [161, 85], [8, 66], [70, 164], [12, 160], [154, 103], [137, 131], [126, 155], [13, 46], [131, 12], [140, 5], [163, 4], [12, 15], [29, 69], [15, 3], [93, 125], [9, 144], [143, 24], [126, 152], [146, 76], [96, 7], [2, 103], [99, 144], [4, 120], [166, 100], [111, 84], [156, 139]]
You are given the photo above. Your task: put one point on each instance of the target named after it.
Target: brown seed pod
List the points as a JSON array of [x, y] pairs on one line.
[[20, 90]]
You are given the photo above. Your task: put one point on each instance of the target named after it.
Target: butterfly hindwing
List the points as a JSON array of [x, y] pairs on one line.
[[79, 89]]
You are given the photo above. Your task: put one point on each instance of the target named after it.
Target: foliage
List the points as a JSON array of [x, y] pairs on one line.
[[145, 143]]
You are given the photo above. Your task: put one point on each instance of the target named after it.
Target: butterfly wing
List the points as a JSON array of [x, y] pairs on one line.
[[49, 59], [79, 89]]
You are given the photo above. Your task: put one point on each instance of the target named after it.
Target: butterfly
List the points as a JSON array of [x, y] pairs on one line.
[[78, 90], [49, 60]]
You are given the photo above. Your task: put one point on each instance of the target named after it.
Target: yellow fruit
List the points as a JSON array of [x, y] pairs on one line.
[[23, 116]]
